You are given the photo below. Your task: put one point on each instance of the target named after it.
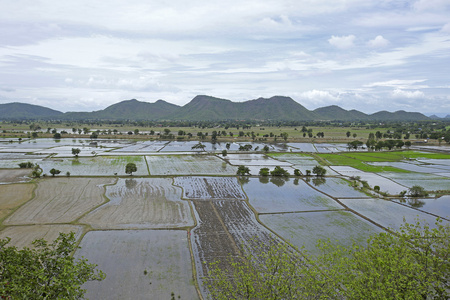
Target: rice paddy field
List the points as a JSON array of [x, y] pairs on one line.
[[155, 232]]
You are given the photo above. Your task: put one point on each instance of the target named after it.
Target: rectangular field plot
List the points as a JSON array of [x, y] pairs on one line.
[[14, 163], [224, 226], [254, 160], [143, 264], [60, 200], [305, 229], [96, 166], [387, 213], [189, 165], [286, 195], [295, 158], [210, 188], [414, 167], [336, 187], [66, 151], [385, 184], [437, 206], [14, 175], [141, 203], [13, 195], [24, 236], [303, 147], [431, 182]]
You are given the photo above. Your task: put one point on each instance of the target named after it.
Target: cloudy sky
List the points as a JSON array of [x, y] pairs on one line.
[[368, 55]]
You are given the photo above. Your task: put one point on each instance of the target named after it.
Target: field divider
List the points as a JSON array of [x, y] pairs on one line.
[[33, 195], [300, 211]]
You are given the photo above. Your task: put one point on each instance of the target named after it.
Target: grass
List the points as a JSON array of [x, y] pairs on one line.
[[358, 161]]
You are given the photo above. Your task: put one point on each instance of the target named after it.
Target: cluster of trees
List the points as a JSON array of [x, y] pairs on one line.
[[46, 271], [411, 263]]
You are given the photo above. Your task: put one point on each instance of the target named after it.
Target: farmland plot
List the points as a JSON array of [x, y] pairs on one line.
[[14, 163], [142, 264], [60, 200], [210, 188], [66, 151], [224, 226], [414, 167], [96, 166], [189, 165], [254, 160], [385, 184], [387, 213], [14, 176], [142, 147], [13, 195], [23, 236], [336, 187], [286, 195], [141, 203], [431, 182], [438, 206], [304, 229], [295, 158], [303, 147]]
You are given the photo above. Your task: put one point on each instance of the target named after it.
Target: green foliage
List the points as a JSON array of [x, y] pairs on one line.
[[37, 171], [243, 170], [264, 172], [54, 172], [224, 152], [319, 170], [279, 171], [411, 263], [417, 191], [47, 271], [76, 151], [199, 145], [26, 165], [57, 136], [130, 168], [297, 172], [266, 148]]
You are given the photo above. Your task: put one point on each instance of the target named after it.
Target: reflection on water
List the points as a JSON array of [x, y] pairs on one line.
[[130, 183], [244, 179], [318, 181], [264, 179], [279, 181]]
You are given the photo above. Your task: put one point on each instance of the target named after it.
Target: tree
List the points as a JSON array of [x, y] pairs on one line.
[[417, 191], [348, 133], [224, 153], [57, 136], [76, 151], [243, 170], [26, 165], [130, 168], [279, 171], [319, 171], [297, 172], [47, 271], [37, 171], [410, 263], [199, 145], [266, 148], [264, 172], [54, 172]]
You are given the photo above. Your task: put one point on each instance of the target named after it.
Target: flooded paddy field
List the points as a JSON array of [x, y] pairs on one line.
[[154, 233], [137, 203], [140, 264]]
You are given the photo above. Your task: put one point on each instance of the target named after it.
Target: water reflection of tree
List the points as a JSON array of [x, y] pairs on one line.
[[264, 179], [318, 181], [296, 181], [244, 179], [130, 183], [416, 203], [279, 181]]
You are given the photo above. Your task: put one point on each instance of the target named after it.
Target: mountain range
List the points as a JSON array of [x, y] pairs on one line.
[[206, 108]]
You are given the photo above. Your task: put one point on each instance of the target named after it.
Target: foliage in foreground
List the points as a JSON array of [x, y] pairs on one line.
[[410, 264], [47, 271]]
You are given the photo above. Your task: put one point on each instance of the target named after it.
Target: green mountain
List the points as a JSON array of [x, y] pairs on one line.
[[24, 111], [399, 115], [210, 108], [129, 110], [207, 108], [335, 112]]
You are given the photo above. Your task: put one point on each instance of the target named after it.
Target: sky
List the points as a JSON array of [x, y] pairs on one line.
[[368, 55]]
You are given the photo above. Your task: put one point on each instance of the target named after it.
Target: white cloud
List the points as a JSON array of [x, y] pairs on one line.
[[398, 93], [378, 42], [398, 83], [446, 28], [318, 95], [342, 42]]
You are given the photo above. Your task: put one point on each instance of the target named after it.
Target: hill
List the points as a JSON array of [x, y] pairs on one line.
[[399, 115], [129, 110], [24, 111], [335, 112], [210, 108]]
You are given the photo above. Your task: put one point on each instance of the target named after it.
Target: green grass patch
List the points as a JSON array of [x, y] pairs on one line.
[[353, 161]]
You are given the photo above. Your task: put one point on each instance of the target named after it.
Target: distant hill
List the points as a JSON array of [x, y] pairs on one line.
[[335, 112], [129, 110], [211, 108], [208, 108], [400, 115], [24, 111]]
